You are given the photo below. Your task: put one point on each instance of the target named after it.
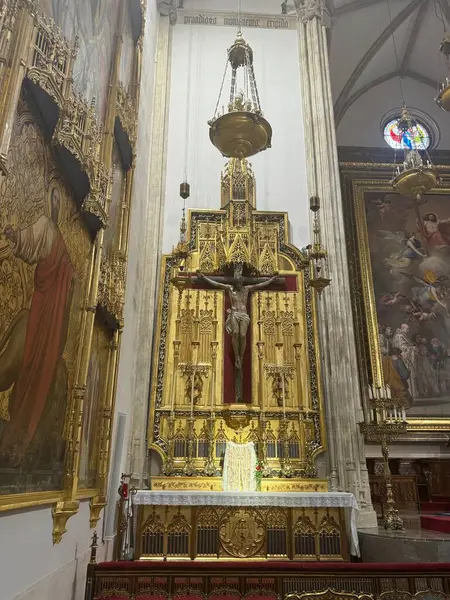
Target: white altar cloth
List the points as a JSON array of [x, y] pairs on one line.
[[284, 499]]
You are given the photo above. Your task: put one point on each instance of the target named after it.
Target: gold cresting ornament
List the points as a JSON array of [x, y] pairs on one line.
[[240, 130], [443, 98], [413, 178]]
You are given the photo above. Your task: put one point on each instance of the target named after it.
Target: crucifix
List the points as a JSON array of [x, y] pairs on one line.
[[238, 319]]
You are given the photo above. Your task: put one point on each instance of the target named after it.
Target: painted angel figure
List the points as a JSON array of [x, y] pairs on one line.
[[409, 250]]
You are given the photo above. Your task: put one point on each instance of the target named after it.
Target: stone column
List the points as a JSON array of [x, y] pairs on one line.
[[346, 453], [146, 236]]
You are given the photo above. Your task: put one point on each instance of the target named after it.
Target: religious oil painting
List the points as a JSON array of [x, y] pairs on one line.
[[92, 430], [409, 246], [95, 24], [44, 252]]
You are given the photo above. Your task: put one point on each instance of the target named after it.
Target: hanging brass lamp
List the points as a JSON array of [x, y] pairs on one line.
[[413, 177], [239, 129]]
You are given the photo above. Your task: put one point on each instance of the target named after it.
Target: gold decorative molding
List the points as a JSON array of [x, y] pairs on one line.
[[16, 29], [96, 505], [61, 513], [126, 113], [215, 484], [96, 204], [111, 289], [51, 59], [77, 130], [328, 594]]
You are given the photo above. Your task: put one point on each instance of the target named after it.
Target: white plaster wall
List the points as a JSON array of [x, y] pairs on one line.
[[31, 568], [361, 125], [280, 171]]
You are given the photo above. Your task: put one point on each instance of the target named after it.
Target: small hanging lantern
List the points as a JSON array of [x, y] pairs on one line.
[[180, 254], [413, 177], [316, 252], [239, 129]]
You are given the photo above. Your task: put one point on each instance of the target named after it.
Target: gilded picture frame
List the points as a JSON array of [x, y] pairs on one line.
[[359, 181], [103, 291]]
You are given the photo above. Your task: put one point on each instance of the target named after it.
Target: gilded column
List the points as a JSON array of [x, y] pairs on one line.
[[346, 456], [151, 171]]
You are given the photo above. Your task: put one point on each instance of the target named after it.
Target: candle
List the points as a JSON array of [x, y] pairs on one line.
[[192, 391]]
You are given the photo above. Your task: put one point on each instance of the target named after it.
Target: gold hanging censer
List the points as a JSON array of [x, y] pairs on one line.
[[240, 130], [443, 98], [413, 177]]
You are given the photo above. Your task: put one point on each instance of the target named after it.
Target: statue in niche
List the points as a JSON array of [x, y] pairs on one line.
[[238, 319]]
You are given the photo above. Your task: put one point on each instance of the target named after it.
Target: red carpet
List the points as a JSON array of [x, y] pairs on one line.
[[435, 506], [440, 499], [435, 523]]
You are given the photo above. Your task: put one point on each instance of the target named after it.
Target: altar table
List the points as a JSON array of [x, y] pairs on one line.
[[313, 517]]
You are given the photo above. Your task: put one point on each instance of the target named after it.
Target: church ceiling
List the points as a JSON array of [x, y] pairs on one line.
[[364, 65]]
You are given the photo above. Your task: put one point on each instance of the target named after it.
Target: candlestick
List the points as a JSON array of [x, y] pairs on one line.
[[192, 390]]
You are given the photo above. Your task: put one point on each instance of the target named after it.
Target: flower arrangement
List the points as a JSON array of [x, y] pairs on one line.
[[258, 475]]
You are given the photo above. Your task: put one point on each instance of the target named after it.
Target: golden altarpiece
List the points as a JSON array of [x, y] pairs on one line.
[[200, 400], [210, 389]]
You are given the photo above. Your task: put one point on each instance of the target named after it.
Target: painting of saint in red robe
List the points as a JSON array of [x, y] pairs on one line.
[[36, 338]]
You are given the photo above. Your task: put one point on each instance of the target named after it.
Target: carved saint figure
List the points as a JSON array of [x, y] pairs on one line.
[[238, 318]]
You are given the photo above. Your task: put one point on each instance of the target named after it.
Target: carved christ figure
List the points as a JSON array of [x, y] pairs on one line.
[[238, 319]]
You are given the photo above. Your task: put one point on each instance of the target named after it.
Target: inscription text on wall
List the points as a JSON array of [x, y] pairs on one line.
[[232, 20]]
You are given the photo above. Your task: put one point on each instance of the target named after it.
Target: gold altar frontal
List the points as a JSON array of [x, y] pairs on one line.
[[227, 533]]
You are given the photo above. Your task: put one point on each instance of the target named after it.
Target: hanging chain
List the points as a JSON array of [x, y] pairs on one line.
[[221, 88], [251, 77], [188, 106], [397, 62]]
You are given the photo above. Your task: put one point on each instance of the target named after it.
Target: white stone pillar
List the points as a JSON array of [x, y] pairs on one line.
[[149, 190], [346, 454]]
